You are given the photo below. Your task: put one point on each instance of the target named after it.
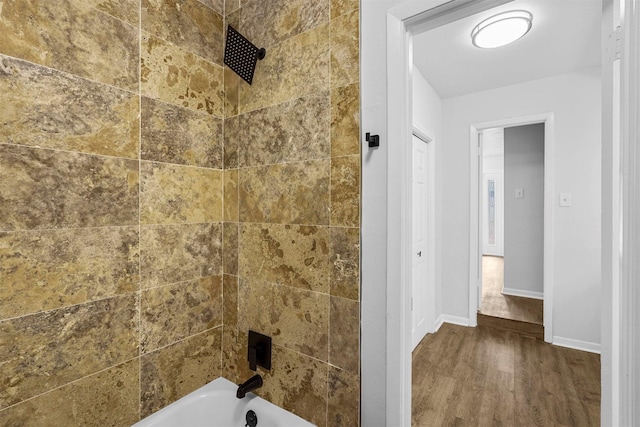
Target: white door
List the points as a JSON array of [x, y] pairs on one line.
[[419, 326], [492, 214]]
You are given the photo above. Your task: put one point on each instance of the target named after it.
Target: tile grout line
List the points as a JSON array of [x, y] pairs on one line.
[[139, 403], [326, 412]]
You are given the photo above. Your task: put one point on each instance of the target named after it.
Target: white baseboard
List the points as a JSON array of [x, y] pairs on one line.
[[454, 320], [521, 293], [591, 347]]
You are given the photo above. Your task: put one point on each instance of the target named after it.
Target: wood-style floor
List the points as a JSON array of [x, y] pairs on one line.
[[494, 303], [486, 377], [506, 312]]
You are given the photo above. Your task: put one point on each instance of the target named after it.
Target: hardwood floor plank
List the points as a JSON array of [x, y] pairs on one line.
[[498, 400], [429, 407], [531, 408]]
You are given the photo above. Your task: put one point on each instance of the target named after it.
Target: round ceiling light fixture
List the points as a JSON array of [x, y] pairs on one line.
[[501, 29]]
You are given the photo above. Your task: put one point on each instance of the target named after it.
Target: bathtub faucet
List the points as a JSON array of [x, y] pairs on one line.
[[251, 384]]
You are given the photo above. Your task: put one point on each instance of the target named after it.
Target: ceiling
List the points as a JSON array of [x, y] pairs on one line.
[[564, 37]]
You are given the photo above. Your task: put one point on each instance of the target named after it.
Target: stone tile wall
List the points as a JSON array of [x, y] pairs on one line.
[[291, 236], [111, 207], [148, 197]]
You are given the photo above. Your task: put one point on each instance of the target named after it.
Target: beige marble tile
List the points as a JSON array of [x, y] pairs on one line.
[[51, 189], [340, 7], [233, 18], [49, 269], [177, 253], [172, 194], [217, 5], [296, 193], [344, 398], [345, 191], [293, 131], [294, 68], [230, 291], [344, 334], [266, 23], [126, 10], [174, 134], [297, 383], [231, 142], [71, 36], [180, 77], [345, 262], [189, 24], [294, 318], [47, 350], [231, 87], [294, 255], [231, 6], [76, 114], [108, 398], [235, 366], [230, 247], [345, 49], [172, 372], [174, 312], [231, 195], [345, 120]]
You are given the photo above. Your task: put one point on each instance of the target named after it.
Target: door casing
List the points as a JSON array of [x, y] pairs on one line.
[[475, 213]]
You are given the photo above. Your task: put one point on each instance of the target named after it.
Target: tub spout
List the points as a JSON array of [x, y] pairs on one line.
[[251, 384]]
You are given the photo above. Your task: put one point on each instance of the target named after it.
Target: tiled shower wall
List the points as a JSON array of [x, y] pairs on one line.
[[111, 204], [112, 218], [292, 210]]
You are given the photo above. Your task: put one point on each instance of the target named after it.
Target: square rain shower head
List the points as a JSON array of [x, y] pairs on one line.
[[241, 55]]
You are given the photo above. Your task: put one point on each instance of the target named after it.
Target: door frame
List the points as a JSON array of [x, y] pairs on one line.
[[410, 17], [475, 212], [621, 224], [386, 378]]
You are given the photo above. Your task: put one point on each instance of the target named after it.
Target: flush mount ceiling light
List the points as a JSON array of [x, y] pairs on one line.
[[501, 29]]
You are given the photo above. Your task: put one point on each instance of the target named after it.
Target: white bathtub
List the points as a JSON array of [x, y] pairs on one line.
[[216, 405]]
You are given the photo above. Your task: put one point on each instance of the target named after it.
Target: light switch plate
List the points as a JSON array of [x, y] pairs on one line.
[[519, 193], [565, 200]]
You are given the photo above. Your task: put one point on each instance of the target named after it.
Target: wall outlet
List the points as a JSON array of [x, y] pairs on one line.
[[565, 200]]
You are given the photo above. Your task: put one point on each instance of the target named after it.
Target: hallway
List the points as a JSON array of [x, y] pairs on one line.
[[483, 377], [494, 303], [506, 312]]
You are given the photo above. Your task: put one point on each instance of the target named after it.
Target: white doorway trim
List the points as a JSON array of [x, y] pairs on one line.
[[414, 16], [475, 247], [385, 378]]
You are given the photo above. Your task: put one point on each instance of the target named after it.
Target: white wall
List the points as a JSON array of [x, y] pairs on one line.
[[427, 106], [575, 100], [524, 217], [373, 267], [427, 117]]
